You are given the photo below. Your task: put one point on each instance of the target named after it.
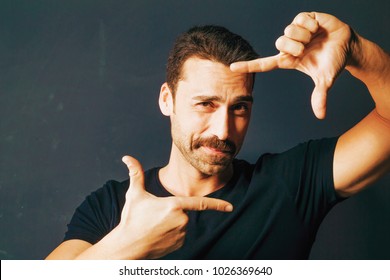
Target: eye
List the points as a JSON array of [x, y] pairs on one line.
[[205, 104], [241, 108]]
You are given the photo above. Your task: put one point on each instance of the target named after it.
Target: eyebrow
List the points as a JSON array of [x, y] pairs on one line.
[[244, 98]]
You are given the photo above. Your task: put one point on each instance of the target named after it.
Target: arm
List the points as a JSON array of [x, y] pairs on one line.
[[150, 227], [68, 250], [321, 46], [363, 153]]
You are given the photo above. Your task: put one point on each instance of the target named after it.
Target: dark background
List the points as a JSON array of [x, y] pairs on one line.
[[79, 82]]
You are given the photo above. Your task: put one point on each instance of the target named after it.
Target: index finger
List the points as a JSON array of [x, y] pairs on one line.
[[195, 203], [263, 64]]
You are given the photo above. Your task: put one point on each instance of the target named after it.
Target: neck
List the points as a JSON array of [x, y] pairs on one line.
[[180, 178]]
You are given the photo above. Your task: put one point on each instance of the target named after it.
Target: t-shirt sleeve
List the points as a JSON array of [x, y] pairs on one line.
[[307, 170], [97, 215]]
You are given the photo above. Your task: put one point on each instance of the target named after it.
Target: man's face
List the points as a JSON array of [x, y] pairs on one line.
[[211, 114]]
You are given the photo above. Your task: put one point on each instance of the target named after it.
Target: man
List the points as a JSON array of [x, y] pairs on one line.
[[271, 209]]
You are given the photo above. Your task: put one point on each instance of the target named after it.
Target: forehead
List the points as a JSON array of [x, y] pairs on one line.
[[205, 75]]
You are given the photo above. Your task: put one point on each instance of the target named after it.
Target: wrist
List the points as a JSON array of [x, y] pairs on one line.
[[123, 245], [355, 58], [367, 61]]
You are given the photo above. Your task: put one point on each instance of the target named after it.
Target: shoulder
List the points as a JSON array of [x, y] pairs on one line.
[[309, 150], [307, 163]]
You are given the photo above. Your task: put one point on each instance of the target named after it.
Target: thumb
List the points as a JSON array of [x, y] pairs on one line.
[[136, 173], [318, 99]]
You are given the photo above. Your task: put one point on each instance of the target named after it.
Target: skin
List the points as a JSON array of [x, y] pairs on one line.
[[321, 46], [210, 102]]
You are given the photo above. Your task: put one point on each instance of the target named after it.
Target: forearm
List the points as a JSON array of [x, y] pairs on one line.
[[108, 248], [112, 247], [371, 64]]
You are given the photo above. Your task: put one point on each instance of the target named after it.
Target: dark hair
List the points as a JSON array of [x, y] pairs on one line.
[[210, 42]]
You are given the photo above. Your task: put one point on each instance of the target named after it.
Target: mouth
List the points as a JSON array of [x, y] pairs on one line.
[[215, 157], [216, 151]]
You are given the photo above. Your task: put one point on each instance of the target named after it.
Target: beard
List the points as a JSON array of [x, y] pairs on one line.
[[195, 152]]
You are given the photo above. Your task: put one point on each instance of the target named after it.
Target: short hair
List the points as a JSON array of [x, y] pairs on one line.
[[210, 42]]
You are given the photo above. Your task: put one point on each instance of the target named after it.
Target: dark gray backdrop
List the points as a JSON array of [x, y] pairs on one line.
[[79, 82]]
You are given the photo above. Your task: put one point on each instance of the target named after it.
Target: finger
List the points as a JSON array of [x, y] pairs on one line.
[[297, 33], [203, 203], [289, 46], [264, 64], [318, 100], [307, 21], [136, 173]]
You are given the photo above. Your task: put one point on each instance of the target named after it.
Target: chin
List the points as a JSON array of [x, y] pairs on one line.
[[213, 169]]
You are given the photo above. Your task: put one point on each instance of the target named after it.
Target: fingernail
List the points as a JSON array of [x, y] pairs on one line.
[[233, 66], [124, 159], [229, 208]]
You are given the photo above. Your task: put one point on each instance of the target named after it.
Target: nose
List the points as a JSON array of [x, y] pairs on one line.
[[221, 124]]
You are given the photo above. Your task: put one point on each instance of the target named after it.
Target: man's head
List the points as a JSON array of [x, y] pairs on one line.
[[209, 105], [209, 42]]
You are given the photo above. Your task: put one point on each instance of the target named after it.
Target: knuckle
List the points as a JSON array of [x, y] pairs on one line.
[[279, 43], [288, 31], [300, 18], [306, 36], [299, 50], [184, 220], [329, 81], [131, 195], [172, 205], [133, 171], [260, 64], [325, 82], [256, 65], [180, 241], [203, 204], [220, 206]]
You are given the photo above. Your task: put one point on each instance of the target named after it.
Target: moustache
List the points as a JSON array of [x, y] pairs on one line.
[[226, 146]]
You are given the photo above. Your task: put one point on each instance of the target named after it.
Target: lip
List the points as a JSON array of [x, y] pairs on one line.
[[216, 151]]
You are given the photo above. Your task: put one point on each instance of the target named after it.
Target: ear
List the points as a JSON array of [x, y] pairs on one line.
[[166, 100]]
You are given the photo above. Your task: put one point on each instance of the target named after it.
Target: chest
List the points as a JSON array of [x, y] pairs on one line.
[[264, 225]]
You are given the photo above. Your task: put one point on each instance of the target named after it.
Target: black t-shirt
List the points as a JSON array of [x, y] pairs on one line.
[[279, 203]]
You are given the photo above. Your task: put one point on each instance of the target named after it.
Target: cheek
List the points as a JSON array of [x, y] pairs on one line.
[[193, 122], [186, 126], [242, 124], [241, 127]]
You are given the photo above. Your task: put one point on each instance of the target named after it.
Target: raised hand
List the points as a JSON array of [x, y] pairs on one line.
[[316, 44], [156, 226]]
